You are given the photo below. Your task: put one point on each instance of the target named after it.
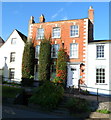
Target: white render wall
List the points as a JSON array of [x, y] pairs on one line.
[[110, 67], [93, 63], [5, 51]]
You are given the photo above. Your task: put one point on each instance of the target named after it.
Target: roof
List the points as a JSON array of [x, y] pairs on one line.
[[99, 41], [24, 38], [1, 41]]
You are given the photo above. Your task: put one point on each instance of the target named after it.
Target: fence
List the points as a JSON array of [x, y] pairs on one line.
[[88, 92]]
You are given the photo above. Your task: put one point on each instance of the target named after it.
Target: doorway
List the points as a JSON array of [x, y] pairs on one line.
[[73, 76]]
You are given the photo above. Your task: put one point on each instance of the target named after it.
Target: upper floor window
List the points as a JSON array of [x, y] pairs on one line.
[[54, 50], [74, 31], [100, 75], [11, 73], [12, 57], [13, 41], [74, 50], [37, 50], [56, 32], [100, 51], [40, 33]]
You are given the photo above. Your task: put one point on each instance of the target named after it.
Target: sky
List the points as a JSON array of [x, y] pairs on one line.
[[15, 15]]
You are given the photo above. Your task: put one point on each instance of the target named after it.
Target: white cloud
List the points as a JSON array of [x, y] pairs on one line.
[[65, 18], [57, 13]]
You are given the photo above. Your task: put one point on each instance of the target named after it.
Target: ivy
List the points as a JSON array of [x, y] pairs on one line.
[[44, 60]]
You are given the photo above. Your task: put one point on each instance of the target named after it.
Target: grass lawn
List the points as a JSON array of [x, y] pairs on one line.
[[10, 92]]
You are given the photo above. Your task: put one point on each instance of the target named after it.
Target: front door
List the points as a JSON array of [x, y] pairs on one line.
[[73, 75]]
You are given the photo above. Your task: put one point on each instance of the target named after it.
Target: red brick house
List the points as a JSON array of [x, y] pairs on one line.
[[73, 35]]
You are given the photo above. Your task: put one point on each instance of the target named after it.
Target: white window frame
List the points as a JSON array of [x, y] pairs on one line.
[[74, 50], [12, 73], [40, 33], [12, 57], [100, 76], [100, 51], [52, 50], [74, 30], [13, 41], [56, 33], [37, 51]]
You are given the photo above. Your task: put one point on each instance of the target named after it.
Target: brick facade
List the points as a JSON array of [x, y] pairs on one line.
[[85, 34]]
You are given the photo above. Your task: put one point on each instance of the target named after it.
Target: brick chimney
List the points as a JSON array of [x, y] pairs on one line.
[[41, 19], [91, 14]]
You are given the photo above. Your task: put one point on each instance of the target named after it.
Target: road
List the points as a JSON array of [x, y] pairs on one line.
[[13, 112]]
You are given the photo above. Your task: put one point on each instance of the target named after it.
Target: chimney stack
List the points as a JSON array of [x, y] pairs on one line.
[[31, 21], [41, 19], [91, 14]]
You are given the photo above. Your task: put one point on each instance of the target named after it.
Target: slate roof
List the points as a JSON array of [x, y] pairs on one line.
[[24, 38], [99, 41], [1, 41]]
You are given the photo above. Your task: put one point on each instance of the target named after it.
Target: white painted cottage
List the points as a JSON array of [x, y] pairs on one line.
[[99, 66], [11, 56]]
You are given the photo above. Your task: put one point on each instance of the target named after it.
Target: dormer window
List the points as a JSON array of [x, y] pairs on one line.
[[74, 31], [40, 33]]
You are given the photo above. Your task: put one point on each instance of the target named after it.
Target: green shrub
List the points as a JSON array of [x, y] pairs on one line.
[[76, 105], [10, 92], [47, 96], [44, 60], [28, 62], [105, 111], [61, 66]]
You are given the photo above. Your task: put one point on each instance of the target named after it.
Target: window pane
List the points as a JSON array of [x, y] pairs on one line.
[[100, 75], [74, 30], [37, 50], [56, 32], [54, 50], [11, 73], [12, 56], [40, 33], [100, 51], [13, 41], [74, 50]]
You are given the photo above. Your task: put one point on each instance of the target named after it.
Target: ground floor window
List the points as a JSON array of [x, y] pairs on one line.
[[11, 73], [100, 75], [53, 71]]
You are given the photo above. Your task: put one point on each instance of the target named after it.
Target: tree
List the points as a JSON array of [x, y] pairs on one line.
[[28, 64], [44, 60], [61, 66]]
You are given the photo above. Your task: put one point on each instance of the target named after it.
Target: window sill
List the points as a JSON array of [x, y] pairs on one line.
[[100, 58], [73, 57], [53, 57], [55, 37], [39, 38], [101, 84], [74, 36]]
